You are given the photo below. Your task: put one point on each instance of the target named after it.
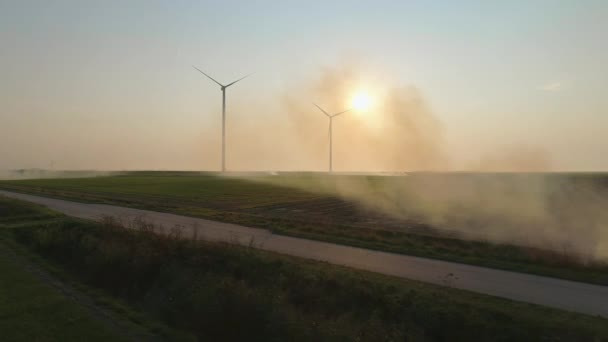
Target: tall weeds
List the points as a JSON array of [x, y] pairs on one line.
[[231, 293]]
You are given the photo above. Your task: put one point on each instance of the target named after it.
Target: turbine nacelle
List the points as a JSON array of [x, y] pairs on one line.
[[222, 87], [331, 115]]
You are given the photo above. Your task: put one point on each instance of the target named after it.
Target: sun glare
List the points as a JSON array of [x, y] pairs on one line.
[[361, 101]]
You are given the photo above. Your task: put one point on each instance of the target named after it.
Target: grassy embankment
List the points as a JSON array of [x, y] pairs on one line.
[[35, 305], [289, 211], [222, 292], [32, 311]]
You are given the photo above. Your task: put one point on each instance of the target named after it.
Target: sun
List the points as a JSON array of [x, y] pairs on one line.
[[361, 101]]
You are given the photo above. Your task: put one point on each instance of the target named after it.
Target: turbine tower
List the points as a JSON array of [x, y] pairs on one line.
[[223, 87], [331, 119]]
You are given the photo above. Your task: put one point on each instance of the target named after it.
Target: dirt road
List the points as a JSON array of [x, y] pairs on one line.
[[556, 293]]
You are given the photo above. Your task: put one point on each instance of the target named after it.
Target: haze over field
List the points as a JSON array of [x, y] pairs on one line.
[[111, 87], [517, 86], [563, 213]]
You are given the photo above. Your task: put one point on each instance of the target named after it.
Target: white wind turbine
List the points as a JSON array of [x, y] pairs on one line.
[[223, 87], [331, 120]]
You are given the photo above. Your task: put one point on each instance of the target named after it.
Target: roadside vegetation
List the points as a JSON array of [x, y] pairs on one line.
[[314, 215], [39, 302], [30, 310], [224, 292]]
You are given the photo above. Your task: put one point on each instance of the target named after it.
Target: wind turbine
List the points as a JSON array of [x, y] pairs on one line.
[[331, 120], [223, 87]]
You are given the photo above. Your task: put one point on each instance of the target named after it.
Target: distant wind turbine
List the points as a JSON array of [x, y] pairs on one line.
[[331, 119], [223, 87]]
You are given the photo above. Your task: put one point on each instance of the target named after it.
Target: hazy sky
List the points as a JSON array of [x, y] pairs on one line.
[[110, 84]]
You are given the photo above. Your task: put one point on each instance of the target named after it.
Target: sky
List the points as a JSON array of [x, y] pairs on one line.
[[109, 84]]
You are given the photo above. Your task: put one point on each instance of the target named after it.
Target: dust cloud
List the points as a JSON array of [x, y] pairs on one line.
[[516, 158], [564, 213], [399, 133], [41, 173], [508, 196]]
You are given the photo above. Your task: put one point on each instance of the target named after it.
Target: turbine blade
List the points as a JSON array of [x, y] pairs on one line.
[[211, 78], [321, 109], [242, 78], [340, 113]]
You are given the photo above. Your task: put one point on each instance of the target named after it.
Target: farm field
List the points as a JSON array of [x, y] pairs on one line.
[[225, 292], [307, 205]]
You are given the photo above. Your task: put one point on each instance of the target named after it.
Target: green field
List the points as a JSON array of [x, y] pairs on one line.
[[232, 293], [308, 205]]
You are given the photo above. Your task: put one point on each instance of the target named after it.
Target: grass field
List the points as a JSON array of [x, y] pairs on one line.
[[222, 292], [301, 205]]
